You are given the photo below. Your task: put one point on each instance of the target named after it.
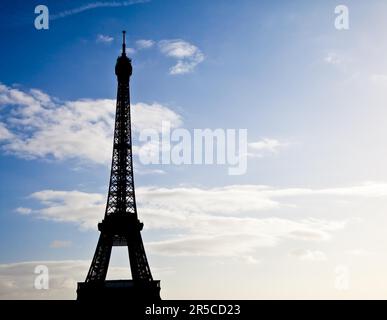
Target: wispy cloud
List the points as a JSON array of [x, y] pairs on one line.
[[226, 221], [258, 148], [130, 51], [58, 244], [95, 5], [377, 79], [333, 58], [361, 253], [144, 44], [104, 38], [23, 211], [188, 56], [309, 255]]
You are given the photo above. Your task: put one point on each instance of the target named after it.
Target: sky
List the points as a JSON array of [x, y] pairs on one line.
[[307, 220]]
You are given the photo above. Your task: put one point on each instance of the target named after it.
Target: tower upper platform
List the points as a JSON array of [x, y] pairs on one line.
[[124, 64]]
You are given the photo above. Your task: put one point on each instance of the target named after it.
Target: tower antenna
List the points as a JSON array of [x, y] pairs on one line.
[[123, 43]]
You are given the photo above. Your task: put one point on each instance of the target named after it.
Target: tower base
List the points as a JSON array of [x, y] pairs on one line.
[[119, 290]]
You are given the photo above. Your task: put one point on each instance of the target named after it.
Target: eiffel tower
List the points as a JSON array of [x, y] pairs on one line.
[[120, 226]]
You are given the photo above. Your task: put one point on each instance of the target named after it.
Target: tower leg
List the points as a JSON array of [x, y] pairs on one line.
[[100, 263], [137, 258]]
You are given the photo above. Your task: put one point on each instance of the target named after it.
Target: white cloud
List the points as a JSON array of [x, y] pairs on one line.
[[17, 279], [190, 208], [333, 58], [230, 237], [143, 171], [271, 145], [188, 55], [261, 147], [150, 116], [84, 209], [23, 210], [225, 221], [250, 260], [5, 134], [130, 51], [178, 49], [224, 201], [39, 126], [379, 79], [309, 255], [361, 253], [144, 44], [104, 38], [57, 244]]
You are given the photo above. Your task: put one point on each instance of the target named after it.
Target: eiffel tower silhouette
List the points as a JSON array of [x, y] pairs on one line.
[[120, 226]]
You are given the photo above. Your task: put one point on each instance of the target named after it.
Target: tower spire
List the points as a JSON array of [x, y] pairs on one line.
[[123, 43]]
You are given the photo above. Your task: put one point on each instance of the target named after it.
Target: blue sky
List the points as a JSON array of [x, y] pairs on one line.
[[311, 97]]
